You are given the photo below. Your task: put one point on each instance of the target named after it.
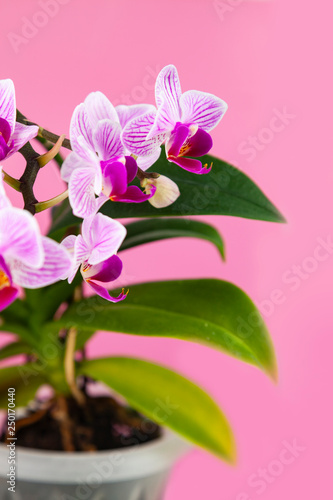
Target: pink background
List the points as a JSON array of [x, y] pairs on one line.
[[260, 57]]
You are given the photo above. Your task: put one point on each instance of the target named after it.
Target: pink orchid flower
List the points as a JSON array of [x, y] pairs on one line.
[[94, 251], [27, 259], [13, 135], [99, 165], [182, 122]]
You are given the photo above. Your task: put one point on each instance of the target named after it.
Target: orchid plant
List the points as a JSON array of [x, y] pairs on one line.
[[146, 162]]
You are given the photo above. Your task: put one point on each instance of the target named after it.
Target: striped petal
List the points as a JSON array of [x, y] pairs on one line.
[[144, 162], [103, 236], [167, 95], [21, 135], [81, 190], [20, 237], [8, 102], [135, 133], [98, 108], [202, 109], [128, 113], [78, 251], [81, 127], [71, 163], [56, 266], [106, 139]]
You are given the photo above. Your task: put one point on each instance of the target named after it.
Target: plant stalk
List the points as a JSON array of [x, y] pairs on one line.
[[69, 365]]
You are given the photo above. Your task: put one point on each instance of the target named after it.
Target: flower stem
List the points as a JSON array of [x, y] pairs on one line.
[[44, 205], [52, 153], [51, 137], [69, 365], [11, 181]]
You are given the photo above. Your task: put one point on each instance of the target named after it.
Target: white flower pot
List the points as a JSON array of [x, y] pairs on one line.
[[134, 473]]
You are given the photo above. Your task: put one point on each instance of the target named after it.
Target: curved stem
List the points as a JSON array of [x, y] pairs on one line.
[[54, 138], [52, 153], [29, 176], [69, 365], [11, 181], [43, 205]]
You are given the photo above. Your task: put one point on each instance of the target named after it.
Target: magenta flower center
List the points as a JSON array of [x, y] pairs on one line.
[[5, 133]]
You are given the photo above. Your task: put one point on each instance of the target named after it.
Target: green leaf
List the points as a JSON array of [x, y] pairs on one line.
[[26, 379], [44, 302], [224, 191], [146, 231], [167, 398], [14, 349], [212, 312]]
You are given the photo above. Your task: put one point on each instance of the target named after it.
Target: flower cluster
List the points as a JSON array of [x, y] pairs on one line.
[[111, 148]]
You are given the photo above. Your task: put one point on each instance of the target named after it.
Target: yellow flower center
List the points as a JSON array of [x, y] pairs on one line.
[[4, 280]]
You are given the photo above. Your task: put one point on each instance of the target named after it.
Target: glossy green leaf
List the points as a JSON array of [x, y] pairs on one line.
[[167, 398], [212, 312], [224, 191], [146, 231]]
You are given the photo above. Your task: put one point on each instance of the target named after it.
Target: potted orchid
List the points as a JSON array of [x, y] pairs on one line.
[[61, 437]]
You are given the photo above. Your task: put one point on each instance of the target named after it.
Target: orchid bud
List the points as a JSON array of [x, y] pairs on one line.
[[166, 193]]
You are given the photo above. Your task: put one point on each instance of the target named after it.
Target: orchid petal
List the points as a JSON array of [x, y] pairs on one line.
[[56, 266], [69, 244], [79, 251], [4, 149], [106, 139], [5, 130], [20, 237], [144, 162], [106, 271], [80, 126], [71, 163], [4, 269], [167, 89], [198, 144], [102, 292], [135, 133], [131, 167], [8, 102], [166, 192], [7, 296], [134, 194], [128, 113], [98, 108], [81, 189], [190, 164], [202, 109], [167, 95], [114, 178], [103, 236], [177, 139], [8, 292], [21, 135]]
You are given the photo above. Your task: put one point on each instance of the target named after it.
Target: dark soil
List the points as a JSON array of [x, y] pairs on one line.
[[100, 424]]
